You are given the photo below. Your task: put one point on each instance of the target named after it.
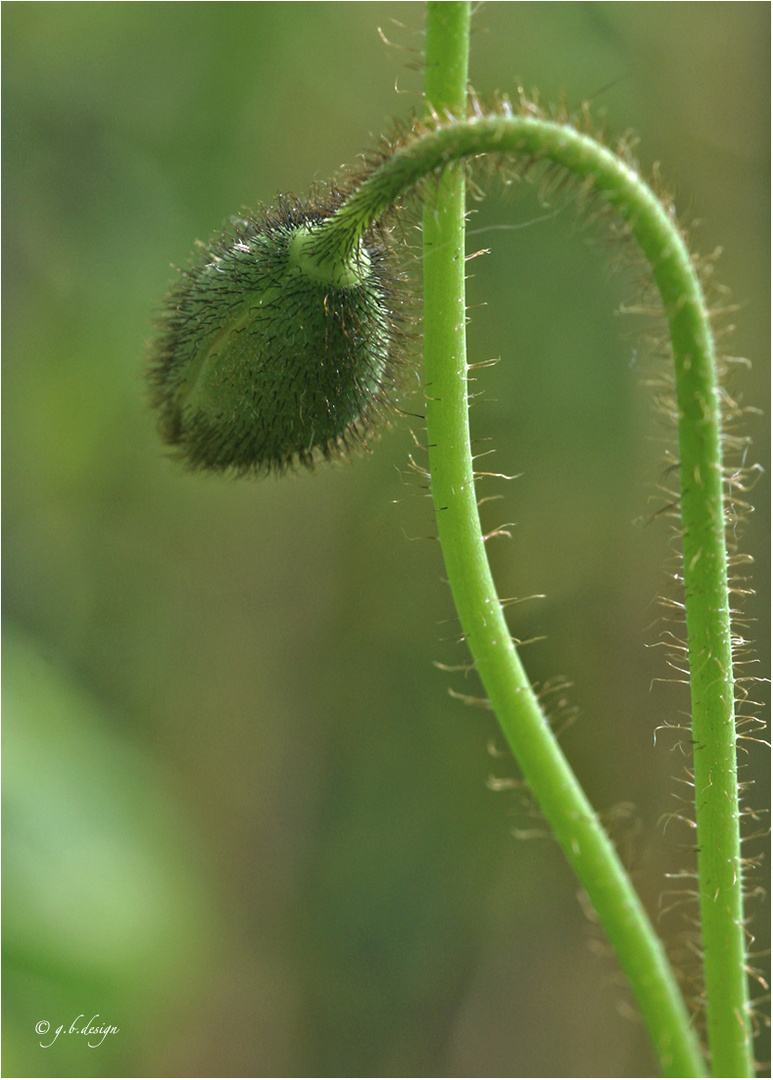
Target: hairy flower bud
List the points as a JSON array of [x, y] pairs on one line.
[[265, 358]]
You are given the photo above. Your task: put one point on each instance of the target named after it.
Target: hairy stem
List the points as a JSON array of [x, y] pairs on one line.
[[453, 489], [447, 141]]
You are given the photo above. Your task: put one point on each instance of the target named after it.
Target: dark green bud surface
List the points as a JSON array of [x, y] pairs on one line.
[[267, 358]]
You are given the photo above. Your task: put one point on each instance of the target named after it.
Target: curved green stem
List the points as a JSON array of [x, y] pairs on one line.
[[703, 536], [560, 796]]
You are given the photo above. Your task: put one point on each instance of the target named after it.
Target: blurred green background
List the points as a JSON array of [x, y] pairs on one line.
[[245, 821]]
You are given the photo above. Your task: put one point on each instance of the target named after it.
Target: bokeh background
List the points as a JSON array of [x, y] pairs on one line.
[[246, 823]]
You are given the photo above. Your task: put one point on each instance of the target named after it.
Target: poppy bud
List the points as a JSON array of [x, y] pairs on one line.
[[268, 357]]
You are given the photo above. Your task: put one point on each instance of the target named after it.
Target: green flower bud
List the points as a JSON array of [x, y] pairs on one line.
[[268, 356]]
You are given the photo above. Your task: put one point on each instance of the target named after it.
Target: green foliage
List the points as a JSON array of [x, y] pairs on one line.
[[103, 915]]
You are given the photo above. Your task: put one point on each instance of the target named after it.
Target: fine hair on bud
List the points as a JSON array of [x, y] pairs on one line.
[[264, 359]]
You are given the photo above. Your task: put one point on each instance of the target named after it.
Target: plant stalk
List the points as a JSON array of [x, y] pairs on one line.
[[451, 137], [453, 487]]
